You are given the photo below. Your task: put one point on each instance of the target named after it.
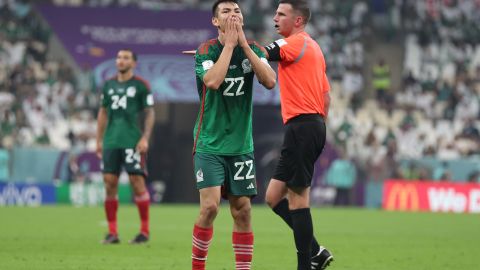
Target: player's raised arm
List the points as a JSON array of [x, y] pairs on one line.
[[216, 74], [265, 74]]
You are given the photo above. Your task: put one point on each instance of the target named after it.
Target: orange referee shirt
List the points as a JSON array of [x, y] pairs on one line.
[[302, 77]]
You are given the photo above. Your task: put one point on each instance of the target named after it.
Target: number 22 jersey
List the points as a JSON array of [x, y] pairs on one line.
[[224, 122]]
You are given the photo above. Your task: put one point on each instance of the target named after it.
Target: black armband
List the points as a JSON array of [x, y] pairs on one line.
[[273, 51]]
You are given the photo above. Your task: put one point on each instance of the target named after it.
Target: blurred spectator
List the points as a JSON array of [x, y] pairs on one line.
[[342, 175], [474, 177], [411, 171], [352, 82], [4, 165], [470, 131], [381, 81], [441, 172], [84, 80]]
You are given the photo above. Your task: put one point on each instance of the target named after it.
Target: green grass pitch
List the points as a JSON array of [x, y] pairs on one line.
[[64, 237]]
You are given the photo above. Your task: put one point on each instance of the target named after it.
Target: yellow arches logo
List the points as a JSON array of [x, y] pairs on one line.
[[402, 197]]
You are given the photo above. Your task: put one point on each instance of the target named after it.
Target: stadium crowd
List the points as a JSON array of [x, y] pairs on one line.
[[434, 112], [42, 101]]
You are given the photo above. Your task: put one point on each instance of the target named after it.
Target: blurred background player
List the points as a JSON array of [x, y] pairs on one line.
[[223, 144], [304, 101], [120, 142]]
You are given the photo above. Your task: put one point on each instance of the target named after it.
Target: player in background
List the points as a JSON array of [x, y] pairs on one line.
[[120, 142], [223, 144], [304, 96]]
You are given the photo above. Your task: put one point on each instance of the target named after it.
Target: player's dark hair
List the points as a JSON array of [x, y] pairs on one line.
[[300, 6], [218, 2], [134, 55]]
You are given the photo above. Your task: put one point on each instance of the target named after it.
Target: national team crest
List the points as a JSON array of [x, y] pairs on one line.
[[199, 175], [131, 91], [247, 67]]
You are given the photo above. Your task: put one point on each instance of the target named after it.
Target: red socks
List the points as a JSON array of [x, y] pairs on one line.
[[201, 240], [143, 204], [243, 248], [111, 207]]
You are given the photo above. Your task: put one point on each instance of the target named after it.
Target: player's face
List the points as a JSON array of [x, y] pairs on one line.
[[225, 11], [125, 61], [284, 19]]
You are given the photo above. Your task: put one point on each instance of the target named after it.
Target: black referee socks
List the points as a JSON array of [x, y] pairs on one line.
[[281, 209], [303, 233]]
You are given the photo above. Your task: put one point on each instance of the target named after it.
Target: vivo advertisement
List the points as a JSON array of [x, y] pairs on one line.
[[94, 35], [26, 194], [431, 196]]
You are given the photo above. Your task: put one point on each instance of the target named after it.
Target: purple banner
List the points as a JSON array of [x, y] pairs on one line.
[[172, 78], [94, 35]]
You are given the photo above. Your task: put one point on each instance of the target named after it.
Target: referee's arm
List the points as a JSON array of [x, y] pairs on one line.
[[273, 52], [326, 98]]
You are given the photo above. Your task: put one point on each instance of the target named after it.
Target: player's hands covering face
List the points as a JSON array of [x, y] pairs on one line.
[[242, 40], [231, 34]]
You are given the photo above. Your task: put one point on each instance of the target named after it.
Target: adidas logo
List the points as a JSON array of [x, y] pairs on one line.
[[199, 175], [251, 186]]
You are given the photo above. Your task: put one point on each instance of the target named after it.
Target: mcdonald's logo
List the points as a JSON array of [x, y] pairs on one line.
[[402, 197]]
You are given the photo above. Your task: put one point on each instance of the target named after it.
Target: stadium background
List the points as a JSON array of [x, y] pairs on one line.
[[414, 118], [416, 121]]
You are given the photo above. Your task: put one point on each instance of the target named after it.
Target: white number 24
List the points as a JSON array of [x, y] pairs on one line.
[[132, 156], [119, 102]]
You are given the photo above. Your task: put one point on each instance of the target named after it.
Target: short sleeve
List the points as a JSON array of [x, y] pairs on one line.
[[259, 51], [103, 94], [147, 97], [203, 60], [291, 48]]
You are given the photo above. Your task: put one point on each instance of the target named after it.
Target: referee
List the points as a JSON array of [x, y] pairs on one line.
[[304, 96]]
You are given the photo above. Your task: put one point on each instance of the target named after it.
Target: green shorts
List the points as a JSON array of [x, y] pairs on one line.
[[132, 161], [236, 174]]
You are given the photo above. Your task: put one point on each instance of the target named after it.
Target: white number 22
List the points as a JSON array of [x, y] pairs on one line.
[[231, 82], [240, 166]]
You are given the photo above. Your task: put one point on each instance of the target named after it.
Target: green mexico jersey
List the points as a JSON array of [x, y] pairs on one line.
[[224, 123], [123, 101]]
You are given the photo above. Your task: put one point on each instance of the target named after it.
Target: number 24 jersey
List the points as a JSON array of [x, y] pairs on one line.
[[123, 101]]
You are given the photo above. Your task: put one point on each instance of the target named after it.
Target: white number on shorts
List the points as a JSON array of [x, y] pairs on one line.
[[249, 164], [231, 82], [132, 156], [242, 164]]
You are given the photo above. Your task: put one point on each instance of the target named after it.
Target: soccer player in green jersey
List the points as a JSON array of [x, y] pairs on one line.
[[120, 142], [223, 145]]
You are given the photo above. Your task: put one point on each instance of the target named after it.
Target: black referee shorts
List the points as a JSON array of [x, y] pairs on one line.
[[302, 145]]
